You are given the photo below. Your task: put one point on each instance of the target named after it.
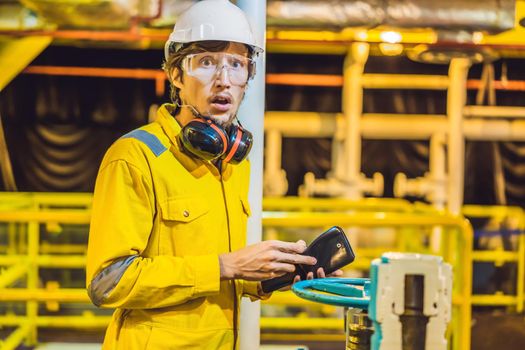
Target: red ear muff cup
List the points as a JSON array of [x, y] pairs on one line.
[[204, 139], [239, 145]]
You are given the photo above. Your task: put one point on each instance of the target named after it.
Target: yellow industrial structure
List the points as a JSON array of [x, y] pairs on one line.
[[27, 217]]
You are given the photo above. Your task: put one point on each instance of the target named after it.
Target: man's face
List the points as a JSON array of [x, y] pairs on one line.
[[213, 82]]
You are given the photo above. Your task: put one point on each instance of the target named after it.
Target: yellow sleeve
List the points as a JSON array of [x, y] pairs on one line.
[[117, 274]]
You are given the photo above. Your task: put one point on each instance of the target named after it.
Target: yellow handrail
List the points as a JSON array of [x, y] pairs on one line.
[[29, 210]]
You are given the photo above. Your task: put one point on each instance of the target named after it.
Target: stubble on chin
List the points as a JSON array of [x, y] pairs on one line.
[[224, 120]]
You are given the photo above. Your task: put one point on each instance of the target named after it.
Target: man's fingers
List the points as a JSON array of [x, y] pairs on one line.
[[281, 268], [336, 273], [289, 247], [310, 275], [295, 258], [301, 243], [320, 273], [296, 279]]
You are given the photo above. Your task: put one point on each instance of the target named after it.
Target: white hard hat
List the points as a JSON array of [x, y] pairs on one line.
[[212, 20]]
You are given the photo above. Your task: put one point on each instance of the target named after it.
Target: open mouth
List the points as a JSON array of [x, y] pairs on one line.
[[221, 103]]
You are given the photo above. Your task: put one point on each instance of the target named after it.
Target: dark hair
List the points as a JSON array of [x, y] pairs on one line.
[[175, 59]]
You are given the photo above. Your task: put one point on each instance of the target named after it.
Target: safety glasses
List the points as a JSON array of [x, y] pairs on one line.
[[206, 65]]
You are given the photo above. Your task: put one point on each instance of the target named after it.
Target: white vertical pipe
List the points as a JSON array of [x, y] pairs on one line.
[[438, 171], [273, 151], [456, 99], [273, 168], [353, 109], [252, 114], [438, 178]]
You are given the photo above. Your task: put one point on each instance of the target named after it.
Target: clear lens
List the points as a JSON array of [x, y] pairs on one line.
[[206, 65]]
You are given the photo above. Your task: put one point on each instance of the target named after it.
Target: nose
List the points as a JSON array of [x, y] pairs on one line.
[[223, 78]]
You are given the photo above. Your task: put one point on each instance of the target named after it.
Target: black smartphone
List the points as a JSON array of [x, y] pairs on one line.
[[332, 251]]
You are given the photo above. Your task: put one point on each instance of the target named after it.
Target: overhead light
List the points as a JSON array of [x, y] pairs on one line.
[[389, 49], [390, 37], [477, 37]]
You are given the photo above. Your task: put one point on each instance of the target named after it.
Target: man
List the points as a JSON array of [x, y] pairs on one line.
[[167, 236]]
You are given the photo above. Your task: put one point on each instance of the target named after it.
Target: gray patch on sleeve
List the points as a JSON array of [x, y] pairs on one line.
[[107, 279]]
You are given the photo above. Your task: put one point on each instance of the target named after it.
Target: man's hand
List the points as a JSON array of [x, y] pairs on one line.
[[263, 260]]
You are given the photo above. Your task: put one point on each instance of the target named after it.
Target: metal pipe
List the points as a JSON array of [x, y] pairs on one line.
[[370, 81], [6, 169], [386, 81], [437, 168], [438, 182], [405, 81], [96, 72], [302, 337], [494, 111], [391, 126], [515, 85], [47, 261], [498, 257], [252, 113], [353, 69], [84, 321], [308, 219], [302, 323], [33, 240], [274, 178], [96, 35], [494, 300], [456, 98], [28, 199], [334, 204], [452, 15], [63, 295], [71, 216], [521, 271], [326, 80], [102, 321], [303, 124], [402, 127], [153, 74]]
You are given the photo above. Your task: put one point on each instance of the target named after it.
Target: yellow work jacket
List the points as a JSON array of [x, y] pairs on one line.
[[160, 219]]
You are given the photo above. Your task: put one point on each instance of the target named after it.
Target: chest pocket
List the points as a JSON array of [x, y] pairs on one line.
[[184, 209], [186, 226]]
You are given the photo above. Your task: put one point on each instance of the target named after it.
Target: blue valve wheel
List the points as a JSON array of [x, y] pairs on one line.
[[335, 291]]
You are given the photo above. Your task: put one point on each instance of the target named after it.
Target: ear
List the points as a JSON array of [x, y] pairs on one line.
[[176, 77]]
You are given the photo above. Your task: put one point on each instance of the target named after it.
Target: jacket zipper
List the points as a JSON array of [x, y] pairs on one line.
[[235, 316]]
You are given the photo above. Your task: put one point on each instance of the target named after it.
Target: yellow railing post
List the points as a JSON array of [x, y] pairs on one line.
[[521, 263], [32, 278]]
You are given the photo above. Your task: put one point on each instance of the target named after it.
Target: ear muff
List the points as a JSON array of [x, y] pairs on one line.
[[208, 141], [204, 139], [239, 144]]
